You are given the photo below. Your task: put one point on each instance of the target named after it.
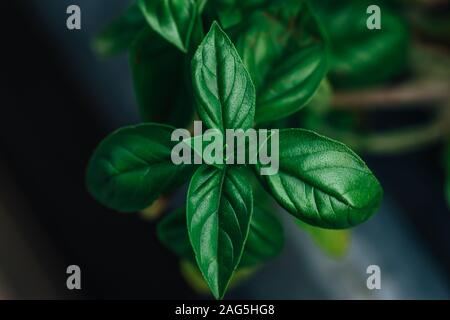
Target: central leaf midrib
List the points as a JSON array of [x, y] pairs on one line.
[[295, 88], [219, 205], [219, 81], [122, 172]]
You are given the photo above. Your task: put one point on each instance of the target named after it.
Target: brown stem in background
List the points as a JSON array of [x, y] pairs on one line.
[[398, 141], [432, 91]]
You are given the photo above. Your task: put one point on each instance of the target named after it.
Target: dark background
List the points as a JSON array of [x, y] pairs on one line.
[[47, 133]]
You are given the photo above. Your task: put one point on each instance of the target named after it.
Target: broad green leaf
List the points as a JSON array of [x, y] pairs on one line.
[[322, 182], [265, 239], [194, 277], [361, 56], [120, 33], [174, 20], [335, 243], [160, 80], [287, 58], [222, 86], [219, 211], [132, 167]]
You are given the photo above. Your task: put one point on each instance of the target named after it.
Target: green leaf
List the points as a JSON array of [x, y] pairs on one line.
[[120, 33], [315, 115], [219, 211], [201, 4], [321, 101], [194, 277], [232, 12], [287, 58], [174, 20], [265, 239], [172, 232], [322, 182], [361, 56], [160, 74], [222, 86], [334, 243], [132, 167]]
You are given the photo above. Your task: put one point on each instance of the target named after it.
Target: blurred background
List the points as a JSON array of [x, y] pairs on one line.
[[59, 99]]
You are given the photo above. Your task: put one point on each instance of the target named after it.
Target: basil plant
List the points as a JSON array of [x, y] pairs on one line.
[[259, 63]]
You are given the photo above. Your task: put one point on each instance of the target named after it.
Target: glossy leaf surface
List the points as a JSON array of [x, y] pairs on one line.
[[219, 211], [322, 182], [132, 167], [222, 86]]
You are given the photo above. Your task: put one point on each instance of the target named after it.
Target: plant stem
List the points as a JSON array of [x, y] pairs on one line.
[[432, 91], [398, 141]]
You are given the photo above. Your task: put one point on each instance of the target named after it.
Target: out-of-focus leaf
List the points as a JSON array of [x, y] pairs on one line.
[[321, 101], [155, 210], [172, 232], [287, 58], [265, 239], [334, 243], [174, 20], [160, 74], [361, 56], [120, 33], [232, 12], [314, 116], [194, 277]]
